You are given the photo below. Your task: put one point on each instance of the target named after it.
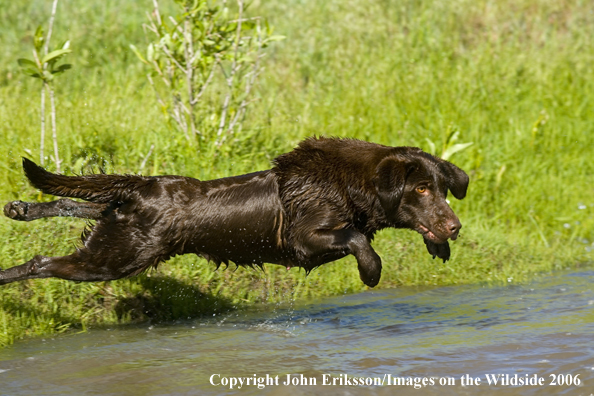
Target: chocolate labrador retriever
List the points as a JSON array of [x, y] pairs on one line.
[[320, 202]]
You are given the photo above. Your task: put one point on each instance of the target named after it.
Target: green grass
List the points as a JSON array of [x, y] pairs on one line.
[[513, 77]]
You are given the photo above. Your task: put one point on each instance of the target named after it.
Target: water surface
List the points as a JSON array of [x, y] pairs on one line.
[[544, 328]]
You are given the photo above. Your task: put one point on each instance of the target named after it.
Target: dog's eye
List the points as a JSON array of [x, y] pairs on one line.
[[421, 190]]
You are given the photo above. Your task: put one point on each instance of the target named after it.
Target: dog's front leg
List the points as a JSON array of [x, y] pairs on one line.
[[343, 242], [368, 261]]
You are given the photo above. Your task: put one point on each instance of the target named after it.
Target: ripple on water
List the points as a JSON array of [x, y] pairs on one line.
[[542, 328]]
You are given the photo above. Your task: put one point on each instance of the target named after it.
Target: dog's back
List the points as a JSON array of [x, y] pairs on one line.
[[238, 219], [235, 219], [324, 200]]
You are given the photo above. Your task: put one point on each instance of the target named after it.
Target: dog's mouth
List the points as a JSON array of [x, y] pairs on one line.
[[429, 235]]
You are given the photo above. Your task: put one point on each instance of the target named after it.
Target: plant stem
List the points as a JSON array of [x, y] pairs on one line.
[[231, 76], [146, 157], [250, 82], [42, 108], [54, 134], [156, 12], [46, 86], [51, 24], [189, 55]]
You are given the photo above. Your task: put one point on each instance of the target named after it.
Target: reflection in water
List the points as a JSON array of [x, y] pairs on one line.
[[543, 329]]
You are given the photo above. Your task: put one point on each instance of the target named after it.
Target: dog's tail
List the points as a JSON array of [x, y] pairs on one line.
[[95, 188]]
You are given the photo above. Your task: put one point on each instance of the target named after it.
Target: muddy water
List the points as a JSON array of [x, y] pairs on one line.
[[540, 333]]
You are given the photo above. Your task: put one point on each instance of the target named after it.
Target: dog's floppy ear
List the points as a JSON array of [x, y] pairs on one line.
[[389, 181], [456, 179]]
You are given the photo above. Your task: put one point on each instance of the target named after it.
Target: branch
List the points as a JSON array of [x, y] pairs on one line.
[[151, 28], [37, 61], [148, 76], [54, 133], [156, 11], [160, 72], [250, 83], [176, 24], [42, 144], [179, 118], [257, 18], [223, 116], [51, 24], [173, 113], [231, 74], [147, 157], [189, 54], [173, 59], [208, 79]]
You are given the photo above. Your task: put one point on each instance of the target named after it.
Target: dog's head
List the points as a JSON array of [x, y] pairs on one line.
[[412, 187]]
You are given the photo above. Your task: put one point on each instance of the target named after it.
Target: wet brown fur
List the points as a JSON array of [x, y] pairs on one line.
[[320, 202]]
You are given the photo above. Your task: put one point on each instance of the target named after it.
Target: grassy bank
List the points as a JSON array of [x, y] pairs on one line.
[[512, 77]]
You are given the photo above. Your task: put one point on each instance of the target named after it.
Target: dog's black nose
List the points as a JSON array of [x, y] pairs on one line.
[[453, 226]]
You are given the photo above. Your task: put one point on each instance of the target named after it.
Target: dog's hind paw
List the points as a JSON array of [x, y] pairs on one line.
[[16, 210]]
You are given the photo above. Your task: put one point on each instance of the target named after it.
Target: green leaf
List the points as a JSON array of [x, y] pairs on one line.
[[454, 149], [248, 25], [166, 40], [47, 76], [277, 37], [431, 146], [452, 135], [138, 54], [31, 72], [150, 52], [231, 27], [62, 68], [38, 38], [55, 55], [26, 63]]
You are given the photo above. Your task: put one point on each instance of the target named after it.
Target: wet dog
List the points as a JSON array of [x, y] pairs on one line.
[[320, 202]]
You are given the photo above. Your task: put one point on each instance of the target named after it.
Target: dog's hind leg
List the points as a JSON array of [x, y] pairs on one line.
[[27, 211], [69, 267]]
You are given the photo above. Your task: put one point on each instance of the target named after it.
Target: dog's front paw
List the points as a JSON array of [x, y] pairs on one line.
[[441, 250], [16, 210], [370, 268]]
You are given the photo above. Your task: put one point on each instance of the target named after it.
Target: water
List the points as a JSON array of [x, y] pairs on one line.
[[544, 328]]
